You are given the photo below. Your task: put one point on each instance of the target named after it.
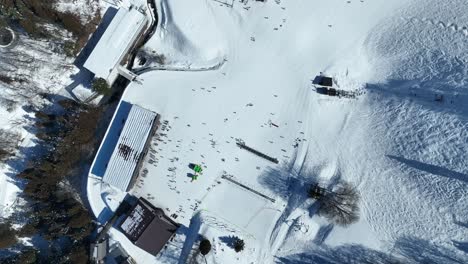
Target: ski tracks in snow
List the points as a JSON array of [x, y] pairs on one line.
[[438, 23]]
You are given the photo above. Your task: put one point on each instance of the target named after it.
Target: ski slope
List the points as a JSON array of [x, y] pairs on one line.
[[246, 71]]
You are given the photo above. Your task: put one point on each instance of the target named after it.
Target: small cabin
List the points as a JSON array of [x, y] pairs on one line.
[[323, 81], [326, 81]]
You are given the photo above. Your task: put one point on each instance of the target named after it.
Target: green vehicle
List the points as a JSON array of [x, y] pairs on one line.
[[198, 169]]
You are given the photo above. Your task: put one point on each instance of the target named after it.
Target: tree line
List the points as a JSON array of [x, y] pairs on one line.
[[54, 211]]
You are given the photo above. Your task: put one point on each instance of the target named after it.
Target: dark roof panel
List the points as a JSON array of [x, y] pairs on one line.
[[326, 81], [137, 221], [156, 235], [148, 227]]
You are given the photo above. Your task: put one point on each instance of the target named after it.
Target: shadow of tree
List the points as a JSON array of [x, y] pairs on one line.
[[421, 251], [445, 100], [465, 225], [433, 169], [463, 246], [84, 78], [323, 233], [228, 240], [338, 255], [405, 250]]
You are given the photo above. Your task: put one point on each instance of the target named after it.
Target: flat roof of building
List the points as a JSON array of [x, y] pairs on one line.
[[119, 36], [127, 151], [110, 139]]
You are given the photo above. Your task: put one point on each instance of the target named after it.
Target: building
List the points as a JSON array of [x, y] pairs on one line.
[[99, 251], [124, 146], [115, 43], [118, 255], [326, 81], [148, 227]]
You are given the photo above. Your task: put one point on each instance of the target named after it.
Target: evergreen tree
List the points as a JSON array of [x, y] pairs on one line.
[[239, 244], [205, 247], [101, 86]]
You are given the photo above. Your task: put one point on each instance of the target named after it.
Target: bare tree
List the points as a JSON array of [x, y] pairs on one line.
[[340, 204]]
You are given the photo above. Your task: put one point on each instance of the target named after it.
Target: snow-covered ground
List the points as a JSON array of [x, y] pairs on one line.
[[246, 71], [86, 9]]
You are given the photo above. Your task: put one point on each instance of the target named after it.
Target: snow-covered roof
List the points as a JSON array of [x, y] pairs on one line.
[[100, 250], [130, 145], [113, 45]]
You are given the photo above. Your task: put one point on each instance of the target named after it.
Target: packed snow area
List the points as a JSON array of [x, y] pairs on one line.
[[245, 71]]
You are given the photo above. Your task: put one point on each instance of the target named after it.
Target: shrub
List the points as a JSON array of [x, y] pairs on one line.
[[27, 230], [8, 143], [28, 256], [315, 191], [80, 220], [6, 79], [160, 59], [101, 86], [7, 236], [205, 247], [239, 244], [71, 22], [69, 48], [79, 255]]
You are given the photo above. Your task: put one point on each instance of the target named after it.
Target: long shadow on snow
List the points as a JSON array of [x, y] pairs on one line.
[[425, 93], [465, 225], [422, 251], [287, 183], [323, 233], [191, 234], [83, 77], [463, 246], [228, 240], [291, 182], [427, 74], [405, 250], [338, 255], [433, 169]]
